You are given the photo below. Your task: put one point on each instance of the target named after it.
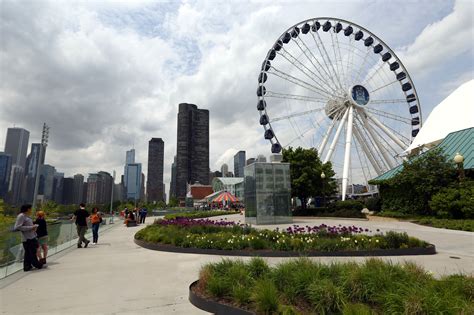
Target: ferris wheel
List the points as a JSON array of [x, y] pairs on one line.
[[333, 85]]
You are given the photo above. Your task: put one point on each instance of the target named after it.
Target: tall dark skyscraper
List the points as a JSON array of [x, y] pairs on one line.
[[192, 153], [68, 191], [239, 164], [17, 145], [78, 189], [155, 186]]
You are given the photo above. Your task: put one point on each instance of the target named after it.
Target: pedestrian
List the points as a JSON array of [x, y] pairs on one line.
[[143, 214], [42, 234], [25, 225], [81, 216], [96, 220]]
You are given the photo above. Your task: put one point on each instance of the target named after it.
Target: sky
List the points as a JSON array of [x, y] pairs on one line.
[[107, 76]]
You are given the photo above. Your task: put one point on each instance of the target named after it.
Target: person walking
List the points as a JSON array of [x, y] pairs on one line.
[[80, 216], [96, 220], [25, 225], [42, 234]]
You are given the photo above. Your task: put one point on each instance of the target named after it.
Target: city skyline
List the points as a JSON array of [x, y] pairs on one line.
[[93, 126]]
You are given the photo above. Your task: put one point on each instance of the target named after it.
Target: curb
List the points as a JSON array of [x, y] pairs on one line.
[[212, 306], [430, 250]]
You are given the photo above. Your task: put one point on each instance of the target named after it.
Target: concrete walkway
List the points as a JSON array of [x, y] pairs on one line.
[[119, 277]]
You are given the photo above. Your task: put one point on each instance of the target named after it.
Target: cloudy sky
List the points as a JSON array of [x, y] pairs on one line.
[[109, 75]]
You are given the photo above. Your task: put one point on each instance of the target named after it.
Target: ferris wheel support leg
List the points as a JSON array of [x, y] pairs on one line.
[[386, 130], [347, 153], [385, 156], [336, 137], [326, 136], [367, 152]]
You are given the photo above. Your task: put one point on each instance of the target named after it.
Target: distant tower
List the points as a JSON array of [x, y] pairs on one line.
[[192, 150], [239, 164], [173, 179], [261, 158], [155, 185], [224, 170]]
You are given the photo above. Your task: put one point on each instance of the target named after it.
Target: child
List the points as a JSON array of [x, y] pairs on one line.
[[42, 233]]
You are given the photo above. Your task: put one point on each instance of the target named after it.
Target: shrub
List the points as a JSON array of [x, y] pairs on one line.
[[258, 267], [265, 296], [326, 297], [455, 202], [352, 205], [374, 204]]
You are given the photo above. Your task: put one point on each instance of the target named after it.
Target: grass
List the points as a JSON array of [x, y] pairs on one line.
[[302, 286], [207, 234], [452, 224], [198, 214]]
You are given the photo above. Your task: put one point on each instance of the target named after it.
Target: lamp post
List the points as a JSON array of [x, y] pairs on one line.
[[459, 159], [323, 176], [44, 144]]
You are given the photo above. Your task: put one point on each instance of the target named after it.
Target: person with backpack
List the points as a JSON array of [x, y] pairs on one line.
[[25, 225], [96, 220], [80, 216], [42, 234]]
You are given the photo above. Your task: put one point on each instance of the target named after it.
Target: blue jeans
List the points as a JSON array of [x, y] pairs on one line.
[[95, 232]]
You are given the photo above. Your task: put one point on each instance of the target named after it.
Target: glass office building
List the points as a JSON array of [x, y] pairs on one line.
[[267, 193]]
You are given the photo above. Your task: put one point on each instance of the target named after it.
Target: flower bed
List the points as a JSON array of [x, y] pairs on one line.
[[199, 214], [305, 287], [224, 235]]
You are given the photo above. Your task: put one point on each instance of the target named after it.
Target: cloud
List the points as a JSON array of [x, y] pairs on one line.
[[442, 41]]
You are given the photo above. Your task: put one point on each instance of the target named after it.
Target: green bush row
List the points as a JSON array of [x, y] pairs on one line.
[[302, 286], [342, 209], [246, 238], [198, 214]]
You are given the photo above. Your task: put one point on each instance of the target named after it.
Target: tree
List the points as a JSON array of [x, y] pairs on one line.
[[305, 171], [173, 202], [411, 190]]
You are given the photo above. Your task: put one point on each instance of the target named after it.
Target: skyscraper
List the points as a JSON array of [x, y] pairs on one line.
[[192, 152], [31, 168], [46, 183], [155, 186], [5, 171], [239, 164], [129, 159], [261, 158], [78, 189], [58, 185], [94, 188], [17, 145], [250, 161], [225, 170], [133, 181], [173, 179], [68, 191]]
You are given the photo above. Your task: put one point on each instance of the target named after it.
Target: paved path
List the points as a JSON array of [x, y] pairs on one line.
[[119, 277]]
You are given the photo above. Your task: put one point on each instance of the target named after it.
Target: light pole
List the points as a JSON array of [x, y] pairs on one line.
[[459, 159], [112, 200], [323, 176], [43, 145]]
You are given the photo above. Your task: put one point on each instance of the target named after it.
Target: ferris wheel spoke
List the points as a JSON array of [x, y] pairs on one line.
[[299, 136], [346, 79], [332, 73], [370, 146], [299, 41], [392, 101], [379, 145], [367, 80], [385, 114], [383, 86], [299, 82], [359, 73], [295, 97], [336, 137], [386, 130], [292, 115], [366, 149], [338, 71], [301, 67]]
